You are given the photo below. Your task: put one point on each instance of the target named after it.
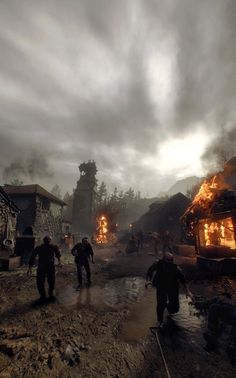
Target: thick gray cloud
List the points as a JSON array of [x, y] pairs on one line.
[[112, 81]]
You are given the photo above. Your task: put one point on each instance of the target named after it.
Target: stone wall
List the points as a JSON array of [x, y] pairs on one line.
[[48, 219], [7, 223]]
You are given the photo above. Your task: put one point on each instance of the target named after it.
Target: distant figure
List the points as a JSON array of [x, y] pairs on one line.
[[83, 252], [46, 253], [165, 276], [218, 314], [156, 241], [167, 242], [140, 239], [131, 246]]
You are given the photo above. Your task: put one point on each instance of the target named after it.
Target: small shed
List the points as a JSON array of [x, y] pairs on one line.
[[40, 210]]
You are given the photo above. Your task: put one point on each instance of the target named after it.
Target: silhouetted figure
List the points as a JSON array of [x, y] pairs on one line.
[[46, 253], [83, 252], [166, 276], [140, 239], [156, 241], [131, 246], [167, 242]]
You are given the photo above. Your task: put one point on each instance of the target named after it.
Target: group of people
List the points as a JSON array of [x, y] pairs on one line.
[[163, 274], [46, 253], [159, 241]]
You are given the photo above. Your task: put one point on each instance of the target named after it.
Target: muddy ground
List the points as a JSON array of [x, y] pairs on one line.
[[103, 331]]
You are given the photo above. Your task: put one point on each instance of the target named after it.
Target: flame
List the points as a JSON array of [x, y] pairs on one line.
[[203, 201], [217, 233], [102, 230], [208, 193]]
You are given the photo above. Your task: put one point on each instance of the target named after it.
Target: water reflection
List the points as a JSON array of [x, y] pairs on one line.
[[130, 293], [116, 294]]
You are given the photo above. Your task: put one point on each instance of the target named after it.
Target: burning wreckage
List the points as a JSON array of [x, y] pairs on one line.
[[210, 221], [105, 233]]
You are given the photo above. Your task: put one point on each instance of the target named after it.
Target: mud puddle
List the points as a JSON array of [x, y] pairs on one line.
[[116, 294], [186, 325], [130, 293]]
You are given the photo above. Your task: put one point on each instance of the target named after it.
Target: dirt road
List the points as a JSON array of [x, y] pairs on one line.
[[103, 331]]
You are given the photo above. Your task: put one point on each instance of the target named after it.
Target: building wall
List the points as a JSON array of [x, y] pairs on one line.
[[41, 213], [48, 219], [7, 223], [26, 217]]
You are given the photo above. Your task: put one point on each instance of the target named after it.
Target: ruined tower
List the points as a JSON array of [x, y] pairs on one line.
[[84, 199]]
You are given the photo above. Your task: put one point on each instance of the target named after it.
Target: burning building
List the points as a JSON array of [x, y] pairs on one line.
[[211, 217]]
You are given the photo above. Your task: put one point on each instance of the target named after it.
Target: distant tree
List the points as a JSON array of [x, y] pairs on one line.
[[56, 191], [138, 196], [130, 195], [102, 194], [121, 194], [17, 182], [114, 197]]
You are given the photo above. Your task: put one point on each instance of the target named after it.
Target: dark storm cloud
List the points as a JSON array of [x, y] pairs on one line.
[[205, 33], [222, 148], [76, 82], [34, 168]]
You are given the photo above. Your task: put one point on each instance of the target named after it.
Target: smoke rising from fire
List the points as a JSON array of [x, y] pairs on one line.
[[115, 81], [35, 167], [221, 149]]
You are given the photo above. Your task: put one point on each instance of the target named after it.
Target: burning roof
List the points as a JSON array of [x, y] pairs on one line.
[[216, 195]]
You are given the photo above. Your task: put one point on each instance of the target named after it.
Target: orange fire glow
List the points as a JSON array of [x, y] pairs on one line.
[[208, 191], [217, 233], [207, 194], [102, 230]]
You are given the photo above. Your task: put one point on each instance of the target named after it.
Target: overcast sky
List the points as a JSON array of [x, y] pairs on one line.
[[146, 88]]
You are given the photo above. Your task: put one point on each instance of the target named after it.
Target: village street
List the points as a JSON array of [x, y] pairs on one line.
[[103, 331]]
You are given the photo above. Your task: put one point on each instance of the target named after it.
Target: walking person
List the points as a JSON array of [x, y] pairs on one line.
[[131, 246], [140, 239], [166, 276], [167, 242], [156, 242], [83, 252], [46, 254]]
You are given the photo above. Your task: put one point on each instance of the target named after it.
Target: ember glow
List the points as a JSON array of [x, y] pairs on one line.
[[102, 230]]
